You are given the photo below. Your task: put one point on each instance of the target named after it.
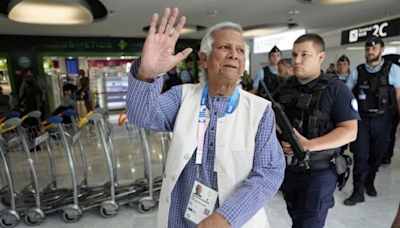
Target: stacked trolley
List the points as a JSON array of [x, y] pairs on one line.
[[30, 187]]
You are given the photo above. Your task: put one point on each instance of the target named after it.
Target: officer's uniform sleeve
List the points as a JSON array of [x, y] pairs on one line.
[[260, 77], [394, 76], [344, 105], [185, 76], [352, 81]]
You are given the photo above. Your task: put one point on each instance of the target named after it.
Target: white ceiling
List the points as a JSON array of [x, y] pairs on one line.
[[131, 16]]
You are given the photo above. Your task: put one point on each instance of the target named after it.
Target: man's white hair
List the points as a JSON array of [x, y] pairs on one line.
[[208, 40]]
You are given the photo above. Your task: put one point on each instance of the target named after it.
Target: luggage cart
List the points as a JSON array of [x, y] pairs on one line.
[[148, 201], [10, 217], [33, 215], [121, 194]]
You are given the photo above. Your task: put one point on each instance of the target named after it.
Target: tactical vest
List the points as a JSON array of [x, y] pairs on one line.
[[172, 81], [302, 107], [271, 81], [379, 95]]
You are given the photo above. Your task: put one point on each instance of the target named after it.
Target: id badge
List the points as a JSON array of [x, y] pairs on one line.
[[201, 203]]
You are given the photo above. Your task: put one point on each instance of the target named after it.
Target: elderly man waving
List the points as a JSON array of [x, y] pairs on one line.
[[224, 138]]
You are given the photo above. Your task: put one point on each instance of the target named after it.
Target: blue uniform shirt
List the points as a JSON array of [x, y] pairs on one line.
[[394, 75], [260, 76], [186, 76]]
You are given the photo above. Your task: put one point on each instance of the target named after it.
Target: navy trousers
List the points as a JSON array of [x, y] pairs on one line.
[[309, 196], [370, 146], [392, 138]]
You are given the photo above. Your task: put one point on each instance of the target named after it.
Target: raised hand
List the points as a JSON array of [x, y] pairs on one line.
[[158, 55]]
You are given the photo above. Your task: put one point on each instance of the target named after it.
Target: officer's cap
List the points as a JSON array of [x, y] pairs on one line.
[[372, 41], [274, 50]]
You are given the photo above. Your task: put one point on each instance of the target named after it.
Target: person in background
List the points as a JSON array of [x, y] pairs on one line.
[[186, 75], [343, 68], [5, 106], [39, 82], [171, 78], [376, 85], [247, 82], [32, 94], [85, 90], [285, 70], [331, 69], [269, 73], [387, 158]]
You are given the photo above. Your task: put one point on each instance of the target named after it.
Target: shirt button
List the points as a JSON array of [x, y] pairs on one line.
[[186, 156], [174, 178]]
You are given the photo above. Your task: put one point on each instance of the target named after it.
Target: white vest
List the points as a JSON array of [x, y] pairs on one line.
[[234, 150]]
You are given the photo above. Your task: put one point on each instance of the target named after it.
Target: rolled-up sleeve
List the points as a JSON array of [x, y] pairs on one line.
[[264, 180], [259, 77], [145, 105]]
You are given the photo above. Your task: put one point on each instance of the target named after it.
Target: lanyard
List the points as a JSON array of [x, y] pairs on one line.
[[202, 120]]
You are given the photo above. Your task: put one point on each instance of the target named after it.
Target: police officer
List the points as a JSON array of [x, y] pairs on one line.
[[386, 160], [376, 85], [269, 73], [343, 68], [323, 111], [171, 78], [186, 75]]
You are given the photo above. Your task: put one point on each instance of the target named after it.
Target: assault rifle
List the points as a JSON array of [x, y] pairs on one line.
[[284, 124]]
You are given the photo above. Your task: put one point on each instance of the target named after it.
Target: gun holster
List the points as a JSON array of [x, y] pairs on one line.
[[340, 165]]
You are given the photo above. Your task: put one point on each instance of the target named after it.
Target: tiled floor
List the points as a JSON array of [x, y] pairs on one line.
[[374, 213]]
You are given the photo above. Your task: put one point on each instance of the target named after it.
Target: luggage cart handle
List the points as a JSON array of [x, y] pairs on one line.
[[120, 119], [51, 120], [84, 120], [10, 124], [10, 115]]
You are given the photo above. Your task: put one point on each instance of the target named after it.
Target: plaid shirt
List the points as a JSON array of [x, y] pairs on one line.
[[147, 108]]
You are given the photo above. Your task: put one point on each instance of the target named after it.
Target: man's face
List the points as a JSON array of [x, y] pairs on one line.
[[306, 60], [274, 58], [343, 67], [189, 65], [372, 54], [227, 59], [199, 189], [283, 71]]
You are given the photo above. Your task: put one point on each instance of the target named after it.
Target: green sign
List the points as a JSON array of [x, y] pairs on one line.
[[24, 62]]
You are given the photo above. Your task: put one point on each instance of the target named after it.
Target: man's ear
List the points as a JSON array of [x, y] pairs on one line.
[[203, 59]]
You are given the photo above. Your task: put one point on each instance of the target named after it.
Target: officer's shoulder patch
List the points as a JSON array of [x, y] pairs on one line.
[[354, 104]]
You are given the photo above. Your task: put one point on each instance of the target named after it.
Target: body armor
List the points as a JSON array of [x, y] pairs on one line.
[[374, 94]]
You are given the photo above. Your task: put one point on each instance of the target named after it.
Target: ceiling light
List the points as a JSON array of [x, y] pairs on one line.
[[54, 12], [354, 48], [395, 42], [335, 2], [108, 58], [266, 29], [187, 29]]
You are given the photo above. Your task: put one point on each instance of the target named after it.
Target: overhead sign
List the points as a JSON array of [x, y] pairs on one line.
[[284, 41], [382, 29]]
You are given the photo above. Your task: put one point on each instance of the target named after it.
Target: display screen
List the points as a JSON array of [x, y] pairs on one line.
[[72, 66]]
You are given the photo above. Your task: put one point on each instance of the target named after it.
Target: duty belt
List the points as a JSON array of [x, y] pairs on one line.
[[318, 161]]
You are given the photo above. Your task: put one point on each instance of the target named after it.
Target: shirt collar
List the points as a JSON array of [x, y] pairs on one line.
[[376, 69], [311, 84], [274, 71]]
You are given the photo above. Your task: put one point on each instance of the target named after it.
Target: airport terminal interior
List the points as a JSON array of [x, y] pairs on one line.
[[74, 151]]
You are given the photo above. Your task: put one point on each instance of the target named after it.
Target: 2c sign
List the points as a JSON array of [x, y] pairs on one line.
[[379, 29]]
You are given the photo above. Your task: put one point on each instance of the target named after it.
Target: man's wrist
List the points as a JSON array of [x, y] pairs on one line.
[[143, 75]]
